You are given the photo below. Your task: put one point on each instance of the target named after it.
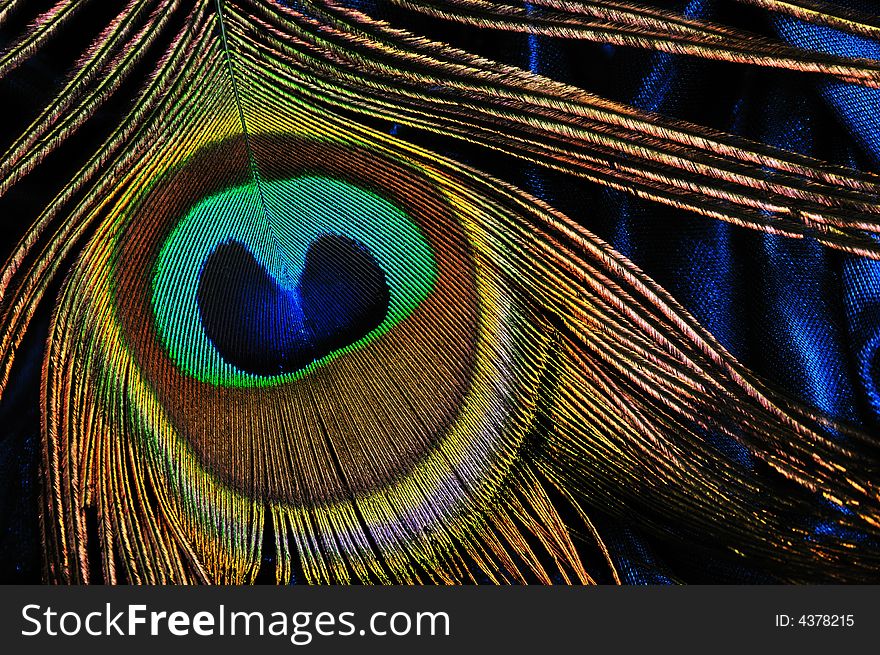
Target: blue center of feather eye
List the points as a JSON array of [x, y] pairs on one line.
[[265, 328]]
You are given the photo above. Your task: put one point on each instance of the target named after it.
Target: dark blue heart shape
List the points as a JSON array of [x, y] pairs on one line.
[[264, 328]]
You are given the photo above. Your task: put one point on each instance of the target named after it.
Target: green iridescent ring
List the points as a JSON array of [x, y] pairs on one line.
[[297, 211]]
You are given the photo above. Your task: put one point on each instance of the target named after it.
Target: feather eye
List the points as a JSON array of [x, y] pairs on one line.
[[263, 280], [284, 332], [300, 348]]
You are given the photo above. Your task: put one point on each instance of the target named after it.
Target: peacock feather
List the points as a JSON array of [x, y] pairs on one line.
[[312, 314]]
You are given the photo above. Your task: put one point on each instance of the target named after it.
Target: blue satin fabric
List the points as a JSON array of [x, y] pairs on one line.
[[810, 321], [858, 109], [804, 317]]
